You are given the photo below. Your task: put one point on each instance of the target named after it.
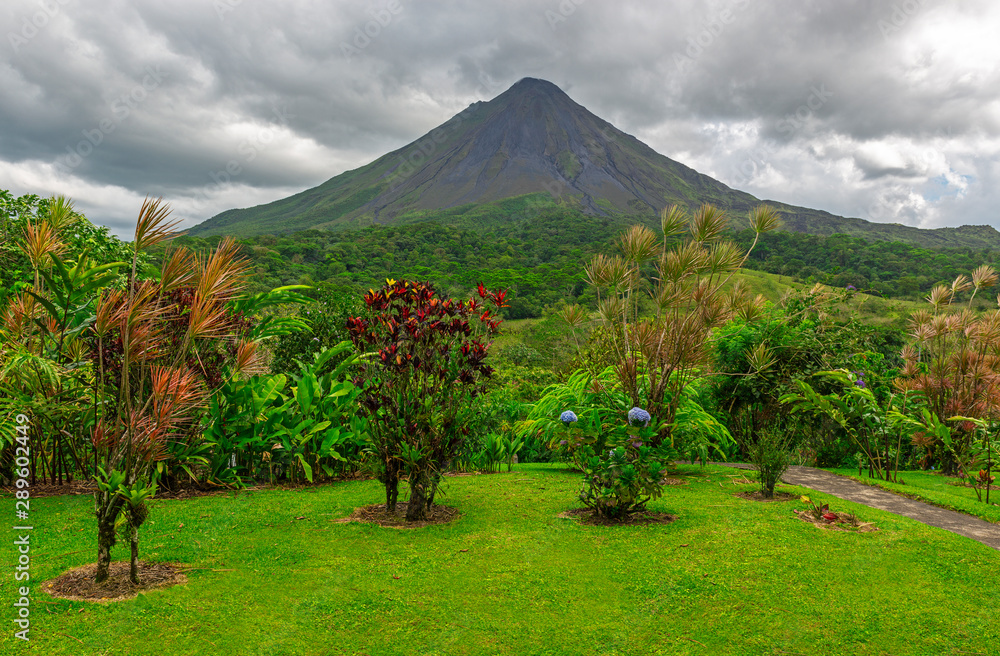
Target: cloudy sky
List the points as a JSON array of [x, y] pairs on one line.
[[884, 109]]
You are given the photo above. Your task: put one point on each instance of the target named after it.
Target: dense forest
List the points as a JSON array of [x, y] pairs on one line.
[[541, 261]]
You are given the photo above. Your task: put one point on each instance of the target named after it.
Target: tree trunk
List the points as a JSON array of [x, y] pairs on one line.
[[133, 568], [136, 517], [416, 509], [391, 482], [435, 479], [108, 507]]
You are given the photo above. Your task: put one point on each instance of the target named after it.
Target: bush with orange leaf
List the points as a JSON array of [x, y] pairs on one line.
[[130, 361]]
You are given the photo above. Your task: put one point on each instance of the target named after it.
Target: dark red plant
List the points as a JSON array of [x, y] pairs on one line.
[[425, 363]]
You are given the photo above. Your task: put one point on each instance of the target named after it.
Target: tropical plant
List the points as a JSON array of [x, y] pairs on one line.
[[977, 463], [127, 362], [622, 476], [954, 363], [598, 406], [658, 354], [770, 453], [424, 368], [255, 428], [877, 426], [326, 327], [599, 402]]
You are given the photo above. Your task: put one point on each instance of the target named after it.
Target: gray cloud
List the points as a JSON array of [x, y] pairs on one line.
[[882, 109]]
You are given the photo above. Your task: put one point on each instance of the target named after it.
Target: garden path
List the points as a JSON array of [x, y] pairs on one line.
[[851, 490]]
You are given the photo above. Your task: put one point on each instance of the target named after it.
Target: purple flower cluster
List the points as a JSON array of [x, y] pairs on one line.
[[638, 416], [850, 288], [860, 380]]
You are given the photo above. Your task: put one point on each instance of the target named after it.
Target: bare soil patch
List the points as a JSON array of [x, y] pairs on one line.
[[377, 514], [78, 583], [591, 518], [53, 490], [836, 521], [757, 495]]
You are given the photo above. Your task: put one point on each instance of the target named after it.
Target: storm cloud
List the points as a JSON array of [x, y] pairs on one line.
[[888, 110]]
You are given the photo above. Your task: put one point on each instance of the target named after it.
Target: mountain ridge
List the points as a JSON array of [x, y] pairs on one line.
[[534, 141]]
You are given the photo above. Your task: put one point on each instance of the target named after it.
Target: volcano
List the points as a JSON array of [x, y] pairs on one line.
[[535, 144]]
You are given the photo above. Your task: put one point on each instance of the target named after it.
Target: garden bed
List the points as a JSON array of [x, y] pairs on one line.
[[78, 583], [591, 518], [378, 514]]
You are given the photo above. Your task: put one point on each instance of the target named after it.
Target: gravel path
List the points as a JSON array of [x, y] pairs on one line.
[[851, 490]]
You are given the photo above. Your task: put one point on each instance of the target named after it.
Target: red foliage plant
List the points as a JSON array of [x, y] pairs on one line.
[[425, 362]]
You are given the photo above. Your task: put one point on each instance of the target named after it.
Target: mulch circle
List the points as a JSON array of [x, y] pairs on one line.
[[377, 514], [757, 495], [591, 518], [843, 522], [78, 584]]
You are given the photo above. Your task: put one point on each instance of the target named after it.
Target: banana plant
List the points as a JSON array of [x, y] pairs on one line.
[[877, 428], [311, 425], [245, 416]]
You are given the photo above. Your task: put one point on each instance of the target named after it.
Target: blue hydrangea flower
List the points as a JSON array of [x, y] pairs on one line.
[[567, 417], [638, 416]]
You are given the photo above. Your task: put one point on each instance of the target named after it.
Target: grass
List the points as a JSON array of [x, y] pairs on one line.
[[730, 576], [937, 489]]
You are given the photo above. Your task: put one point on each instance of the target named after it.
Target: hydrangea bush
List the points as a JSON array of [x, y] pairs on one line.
[[627, 471]]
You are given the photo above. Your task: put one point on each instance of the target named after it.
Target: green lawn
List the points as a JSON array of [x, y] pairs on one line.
[[728, 577], [937, 489]]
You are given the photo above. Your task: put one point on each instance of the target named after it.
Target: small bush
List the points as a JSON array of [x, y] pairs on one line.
[[622, 481], [771, 455]]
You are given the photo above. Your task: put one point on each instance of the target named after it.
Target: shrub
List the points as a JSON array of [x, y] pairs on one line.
[[624, 477], [771, 454], [257, 431], [427, 364]]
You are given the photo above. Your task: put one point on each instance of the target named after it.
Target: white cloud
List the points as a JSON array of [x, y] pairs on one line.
[[880, 109]]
